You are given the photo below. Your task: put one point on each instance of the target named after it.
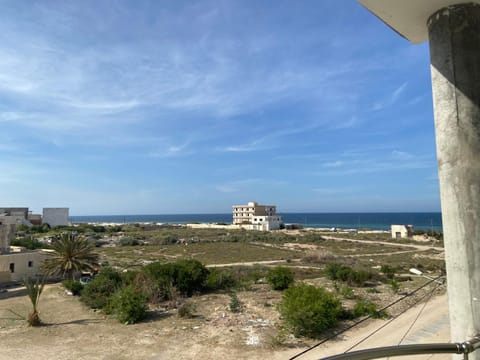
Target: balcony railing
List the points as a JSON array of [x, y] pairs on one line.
[[415, 349]]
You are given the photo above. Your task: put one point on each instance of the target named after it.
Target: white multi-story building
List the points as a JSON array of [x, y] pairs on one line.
[[256, 217]]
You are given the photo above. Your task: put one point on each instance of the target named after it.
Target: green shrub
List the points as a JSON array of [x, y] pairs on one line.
[[388, 271], [128, 277], [394, 285], [280, 278], [309, 311], [188, 276], [97, 292], [129, 241], [73, 286], [335, 271], [364, 308], [235, 306], [219, 280], [28, 242], [186, 310], [128, 305]]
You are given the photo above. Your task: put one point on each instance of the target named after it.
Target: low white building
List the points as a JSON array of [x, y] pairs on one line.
[[55, 216], [402, 231]]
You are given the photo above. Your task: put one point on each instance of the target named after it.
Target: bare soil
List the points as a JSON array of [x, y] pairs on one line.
[[72, 331]]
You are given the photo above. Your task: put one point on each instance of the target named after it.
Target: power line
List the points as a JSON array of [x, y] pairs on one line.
[[391, 320], [418, 315], [364, 319]]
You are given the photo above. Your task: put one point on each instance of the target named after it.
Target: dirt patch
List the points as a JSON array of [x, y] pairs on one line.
[[72, 331]]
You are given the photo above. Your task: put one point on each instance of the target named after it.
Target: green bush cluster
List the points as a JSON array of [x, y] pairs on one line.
[[117, 295], [280, 278], [28, 242], [129, 241], [73, 285], [220, 280], [187, 276], [128, 305], [97, 292], [364, 308], [388, 271], [335, 271], [310, 311]]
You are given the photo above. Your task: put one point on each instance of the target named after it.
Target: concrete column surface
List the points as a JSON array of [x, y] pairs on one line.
[[454, 34]]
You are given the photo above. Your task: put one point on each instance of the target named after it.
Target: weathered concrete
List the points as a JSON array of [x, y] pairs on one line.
[[454, 34]]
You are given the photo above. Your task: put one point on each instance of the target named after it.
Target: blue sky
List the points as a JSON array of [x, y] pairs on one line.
[[151, 107]]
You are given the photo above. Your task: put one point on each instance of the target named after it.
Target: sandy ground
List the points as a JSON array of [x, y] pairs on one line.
[[72, 331]]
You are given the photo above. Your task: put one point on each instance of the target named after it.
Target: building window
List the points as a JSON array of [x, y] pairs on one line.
[[12, 267], [30, 263]]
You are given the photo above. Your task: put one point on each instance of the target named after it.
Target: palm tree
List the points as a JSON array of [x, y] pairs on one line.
[[34, 290], [72, 254]]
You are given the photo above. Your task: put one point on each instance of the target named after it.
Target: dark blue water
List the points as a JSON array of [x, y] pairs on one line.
[[374, 221]]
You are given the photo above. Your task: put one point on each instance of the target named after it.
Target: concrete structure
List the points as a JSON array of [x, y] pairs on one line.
[[15, 211], [7, 233], [256, 217], [453, 28], [16, 263], [55, 216], [401, 231], [35, 219], [16, 266], [15, 216]]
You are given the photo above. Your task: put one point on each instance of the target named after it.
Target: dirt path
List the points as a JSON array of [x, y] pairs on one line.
[[416, 246], [74, 332]]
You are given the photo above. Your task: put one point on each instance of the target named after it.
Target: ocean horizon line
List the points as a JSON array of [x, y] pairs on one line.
[[279, 213], [370, 220]]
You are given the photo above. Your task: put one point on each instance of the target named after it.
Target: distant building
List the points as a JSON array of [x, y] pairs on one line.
[[402, 231], [55, 216], [256, 217], [17, 263], [14, 216]]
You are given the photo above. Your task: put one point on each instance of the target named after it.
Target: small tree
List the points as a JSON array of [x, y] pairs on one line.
[[34, 290], [280, 278], [71, 255]]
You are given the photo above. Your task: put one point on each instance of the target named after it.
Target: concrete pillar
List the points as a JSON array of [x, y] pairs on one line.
[[454, 34]]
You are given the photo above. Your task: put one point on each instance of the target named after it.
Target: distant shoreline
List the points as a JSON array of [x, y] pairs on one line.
[[359, 221]]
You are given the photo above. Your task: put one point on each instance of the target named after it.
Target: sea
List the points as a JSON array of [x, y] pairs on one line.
[[361, 221]]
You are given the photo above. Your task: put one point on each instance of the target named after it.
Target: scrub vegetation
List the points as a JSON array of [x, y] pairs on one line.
[[321, 280]]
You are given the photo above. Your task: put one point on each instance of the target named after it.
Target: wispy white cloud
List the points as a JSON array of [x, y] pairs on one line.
[[392, 99], [172, 151], [333, 164], [402, 155]]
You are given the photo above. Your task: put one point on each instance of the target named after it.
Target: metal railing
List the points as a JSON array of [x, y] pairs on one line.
[[415, 349]]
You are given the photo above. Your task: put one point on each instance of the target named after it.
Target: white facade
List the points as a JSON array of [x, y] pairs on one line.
[[402, 231], [266, 223], [55, 216], [256, 217]]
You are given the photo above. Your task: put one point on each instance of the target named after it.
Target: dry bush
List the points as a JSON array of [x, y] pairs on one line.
[[321, 257]]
